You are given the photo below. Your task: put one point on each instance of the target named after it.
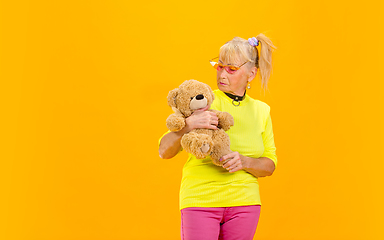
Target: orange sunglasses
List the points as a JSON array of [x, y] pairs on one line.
[[229, 68]]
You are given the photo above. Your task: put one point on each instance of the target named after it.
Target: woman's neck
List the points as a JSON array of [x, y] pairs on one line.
[[236, 97]]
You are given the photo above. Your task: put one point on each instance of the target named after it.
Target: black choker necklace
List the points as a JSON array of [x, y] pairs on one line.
[[235, 99]]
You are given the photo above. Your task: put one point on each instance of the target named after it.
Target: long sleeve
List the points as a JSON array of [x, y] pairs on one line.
[[268, 141]]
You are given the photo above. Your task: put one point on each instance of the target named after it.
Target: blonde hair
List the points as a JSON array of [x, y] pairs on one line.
[[239, 50]]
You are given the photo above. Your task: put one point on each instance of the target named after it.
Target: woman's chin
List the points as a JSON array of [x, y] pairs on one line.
[[222, 87]]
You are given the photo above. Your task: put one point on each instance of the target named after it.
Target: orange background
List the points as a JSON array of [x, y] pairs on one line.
[[83, 103]]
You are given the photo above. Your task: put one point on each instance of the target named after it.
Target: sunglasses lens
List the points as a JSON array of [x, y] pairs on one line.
[[231, 69], [219, 67]]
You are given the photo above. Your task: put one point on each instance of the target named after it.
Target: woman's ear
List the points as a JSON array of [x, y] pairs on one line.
[[172, 97], [252, 74]]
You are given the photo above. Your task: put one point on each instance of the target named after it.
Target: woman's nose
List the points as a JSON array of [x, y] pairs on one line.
[[223, 73]]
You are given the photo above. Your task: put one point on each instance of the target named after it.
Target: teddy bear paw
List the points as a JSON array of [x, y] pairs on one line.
[[205, 148], [199, 145]]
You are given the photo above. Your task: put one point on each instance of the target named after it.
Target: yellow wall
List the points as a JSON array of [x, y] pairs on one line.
[[83, 103]]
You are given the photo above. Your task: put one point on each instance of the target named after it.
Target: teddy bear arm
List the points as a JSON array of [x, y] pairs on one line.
[[221, 146], [225, 120], [175, 122]]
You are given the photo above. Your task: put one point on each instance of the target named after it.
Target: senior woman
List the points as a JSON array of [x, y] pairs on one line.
[[223, 202]]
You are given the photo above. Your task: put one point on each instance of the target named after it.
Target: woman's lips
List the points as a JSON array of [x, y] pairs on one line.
[[223, 84]]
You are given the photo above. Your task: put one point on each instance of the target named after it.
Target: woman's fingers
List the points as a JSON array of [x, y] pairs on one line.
[[203, 119], [234, 162], [212, 114], [230, 164], [228, 157], [237, 168]]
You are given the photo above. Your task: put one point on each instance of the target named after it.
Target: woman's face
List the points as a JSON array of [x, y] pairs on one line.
[[236, 82]]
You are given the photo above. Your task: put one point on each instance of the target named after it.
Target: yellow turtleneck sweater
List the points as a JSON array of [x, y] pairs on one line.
[[206, 185]]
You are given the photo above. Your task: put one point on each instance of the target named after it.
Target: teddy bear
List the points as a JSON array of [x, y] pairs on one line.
[[184, 100]]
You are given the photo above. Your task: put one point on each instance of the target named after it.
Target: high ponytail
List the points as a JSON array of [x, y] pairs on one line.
[[241, 50], [265, 59]]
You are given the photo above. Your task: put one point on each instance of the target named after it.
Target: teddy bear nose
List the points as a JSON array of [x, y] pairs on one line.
[[200, 96]]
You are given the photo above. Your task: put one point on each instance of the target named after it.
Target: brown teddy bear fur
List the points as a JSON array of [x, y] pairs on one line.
[[192, 95]]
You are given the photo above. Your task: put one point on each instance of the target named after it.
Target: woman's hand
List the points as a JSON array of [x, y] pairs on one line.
[[202, 119], [235, 162], [258, 167]]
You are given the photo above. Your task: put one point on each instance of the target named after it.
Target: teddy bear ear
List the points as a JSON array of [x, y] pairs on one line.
[[172, 97], [210, 90]]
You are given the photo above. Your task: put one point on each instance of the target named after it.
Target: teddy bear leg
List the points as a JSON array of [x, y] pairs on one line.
[[221, 146], [199, 145]]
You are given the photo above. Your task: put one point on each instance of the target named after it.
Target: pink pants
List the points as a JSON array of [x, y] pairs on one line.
[[225, 223]]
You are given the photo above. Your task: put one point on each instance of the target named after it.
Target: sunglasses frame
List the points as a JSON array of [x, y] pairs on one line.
[[226, 67]]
